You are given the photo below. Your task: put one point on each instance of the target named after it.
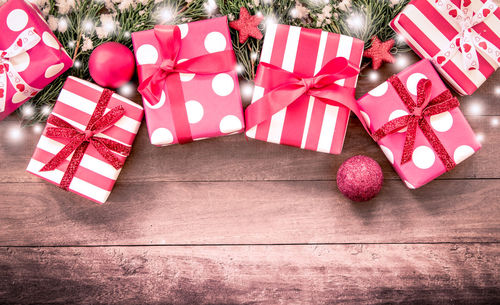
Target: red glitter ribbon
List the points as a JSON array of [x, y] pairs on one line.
[[419, 110], [288, 87], [166, 74], [79, 141]]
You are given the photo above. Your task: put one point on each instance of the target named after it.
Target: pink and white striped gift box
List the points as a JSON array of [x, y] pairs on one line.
[[308, 123], [94, 179], [429, 30]]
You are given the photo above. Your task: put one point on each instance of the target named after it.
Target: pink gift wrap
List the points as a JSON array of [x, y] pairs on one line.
[[430, 30], [383, 104], [213, 102], [95, 177], [39, 65], [307, 123]]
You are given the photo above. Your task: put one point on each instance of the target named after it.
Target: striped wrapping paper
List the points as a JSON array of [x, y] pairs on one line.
[[307, 123], [429, 30], [94, 178]]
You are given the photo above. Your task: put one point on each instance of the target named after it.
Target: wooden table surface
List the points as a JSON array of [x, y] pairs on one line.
[[237, 221]]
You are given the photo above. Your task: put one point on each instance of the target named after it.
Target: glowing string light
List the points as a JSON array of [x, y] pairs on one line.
[[14, 133], [494, 122], [247, 90], [88, 26], [46, 110], [355, 21], [27, 111], [475, 108], [37, 128], [127, 90], [373, 76], [239, 68]]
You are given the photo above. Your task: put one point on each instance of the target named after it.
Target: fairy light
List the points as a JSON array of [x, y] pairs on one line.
[[480, 137], [253, 56], [239, 68], [72, 44], [88, 25], [27, 111], [475, 108], [355, 21], [494, 122], [165, 14], [46, 110], [400, 38], [497, 90], [401, 61], [270, 20], [37, 128], [127, 90], [14, 133], [373, 76], [247, 90], [109, 26], [77, 64]]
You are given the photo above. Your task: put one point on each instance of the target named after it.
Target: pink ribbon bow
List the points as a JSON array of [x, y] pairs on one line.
[[79, 141], [24, 42], [418, 111], [467, 41], [166, 74], [287, 87]]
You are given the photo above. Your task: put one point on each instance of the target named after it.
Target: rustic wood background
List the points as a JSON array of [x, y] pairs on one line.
[[237, 221]]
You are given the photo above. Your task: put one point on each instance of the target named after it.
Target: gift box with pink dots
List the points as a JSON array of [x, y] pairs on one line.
[[30, 55], [461, 37], [418, 124], [188, 81]]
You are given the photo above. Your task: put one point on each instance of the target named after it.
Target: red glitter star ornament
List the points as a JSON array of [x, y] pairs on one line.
[[380, 52], [247, 25]]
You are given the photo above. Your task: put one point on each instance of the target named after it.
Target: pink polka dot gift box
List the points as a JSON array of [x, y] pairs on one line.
[[461, 38], [418, 124], [87, 139], [30, 55], [303, 80], [188, 81]]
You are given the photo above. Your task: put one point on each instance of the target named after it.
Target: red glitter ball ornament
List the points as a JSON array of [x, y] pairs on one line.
[[360, 178]]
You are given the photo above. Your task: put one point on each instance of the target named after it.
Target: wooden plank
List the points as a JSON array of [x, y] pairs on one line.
[[235, 158], [144, 213], [328, 274]]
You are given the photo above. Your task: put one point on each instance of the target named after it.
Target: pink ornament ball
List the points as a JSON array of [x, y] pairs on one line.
[[111, 65], [360, 178]]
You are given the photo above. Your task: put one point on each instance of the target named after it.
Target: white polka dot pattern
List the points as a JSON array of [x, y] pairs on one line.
[[423, 157], [442, 122], [230, 123], [21, 62], [462, 152], [184, 28], [17, 20], [146, 55], [49, 40], [412, 82], [158, 105], [366, 118], [215, 42], [380, 90], [223, 84], [396, 114], [388, 153], [53, 70], [194, 111], [162, 136]]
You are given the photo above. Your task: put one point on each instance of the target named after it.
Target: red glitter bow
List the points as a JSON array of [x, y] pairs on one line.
[[166, 74], [424, 107], [79, 141], [288, 87]]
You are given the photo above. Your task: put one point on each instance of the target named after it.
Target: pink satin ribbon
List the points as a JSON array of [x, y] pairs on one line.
[[165, 74], [287, 87], [79, 141]]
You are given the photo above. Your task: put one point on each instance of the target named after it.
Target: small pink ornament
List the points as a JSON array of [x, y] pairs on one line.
[[111, 65], [360, 178]]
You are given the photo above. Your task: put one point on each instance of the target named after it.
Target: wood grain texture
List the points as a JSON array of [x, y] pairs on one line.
[[329, 274], [250, 213], [234, 158]]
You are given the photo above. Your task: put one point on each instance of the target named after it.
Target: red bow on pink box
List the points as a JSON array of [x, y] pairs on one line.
[[418, 111], [165, 74]]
